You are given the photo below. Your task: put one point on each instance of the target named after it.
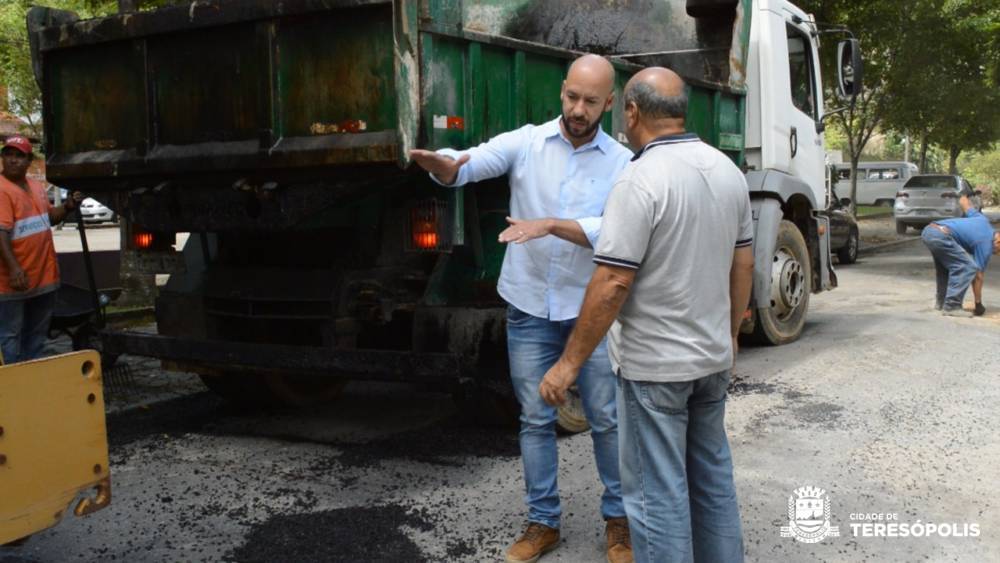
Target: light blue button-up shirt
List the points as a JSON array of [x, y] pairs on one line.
[[546, 277]]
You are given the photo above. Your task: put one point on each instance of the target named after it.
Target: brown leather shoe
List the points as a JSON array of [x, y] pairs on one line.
[[619, 541], [536, 540]]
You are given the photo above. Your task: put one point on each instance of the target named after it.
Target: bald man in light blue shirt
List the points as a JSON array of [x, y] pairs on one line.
[[560, 175]]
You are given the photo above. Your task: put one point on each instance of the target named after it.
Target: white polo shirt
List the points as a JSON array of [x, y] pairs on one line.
[[675, 215]]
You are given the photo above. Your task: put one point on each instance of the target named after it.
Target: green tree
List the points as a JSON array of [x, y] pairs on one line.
[[930, 72], [883, 53], [15, 54], [983, 170], [950, 98]]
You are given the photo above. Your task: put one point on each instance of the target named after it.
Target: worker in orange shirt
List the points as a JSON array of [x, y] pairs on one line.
[[29, 274]]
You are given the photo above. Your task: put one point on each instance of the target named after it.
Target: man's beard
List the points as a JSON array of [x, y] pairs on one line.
[[586, 132]]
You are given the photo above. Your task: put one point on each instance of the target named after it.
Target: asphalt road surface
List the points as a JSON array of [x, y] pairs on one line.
[[887, 406]]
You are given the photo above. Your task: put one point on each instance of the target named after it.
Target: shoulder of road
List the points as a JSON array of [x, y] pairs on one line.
[[878, 234]]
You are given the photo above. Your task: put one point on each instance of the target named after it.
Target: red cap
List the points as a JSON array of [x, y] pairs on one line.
[[18, 142]]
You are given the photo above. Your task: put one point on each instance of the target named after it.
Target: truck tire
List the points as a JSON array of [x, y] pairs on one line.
[[791, 285], [257, 390], [572, 419], [848, 254]]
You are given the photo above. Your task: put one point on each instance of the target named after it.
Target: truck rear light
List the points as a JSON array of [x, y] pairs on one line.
[[429, 227], [142, 240]]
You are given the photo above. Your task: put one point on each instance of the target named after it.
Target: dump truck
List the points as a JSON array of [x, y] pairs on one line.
[[278, 135], [53, 443]]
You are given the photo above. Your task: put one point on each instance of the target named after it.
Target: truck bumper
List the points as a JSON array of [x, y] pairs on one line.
[[382, 365]]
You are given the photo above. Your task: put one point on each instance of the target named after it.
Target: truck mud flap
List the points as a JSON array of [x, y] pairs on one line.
[[385, 365]]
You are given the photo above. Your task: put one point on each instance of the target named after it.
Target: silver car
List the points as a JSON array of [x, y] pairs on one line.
[[928, 197]]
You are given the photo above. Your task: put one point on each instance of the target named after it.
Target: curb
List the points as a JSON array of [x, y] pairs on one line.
[[875, 249], [874, 216], [92, 226], [138, 313]]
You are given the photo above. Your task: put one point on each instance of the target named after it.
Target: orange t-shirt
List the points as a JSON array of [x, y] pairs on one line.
[[26, 217]]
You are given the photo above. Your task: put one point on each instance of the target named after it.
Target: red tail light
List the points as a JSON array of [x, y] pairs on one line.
[[424, 228], [142, 240], [428, 228]]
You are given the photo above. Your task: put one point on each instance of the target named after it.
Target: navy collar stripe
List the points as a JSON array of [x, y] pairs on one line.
[[666, 140]]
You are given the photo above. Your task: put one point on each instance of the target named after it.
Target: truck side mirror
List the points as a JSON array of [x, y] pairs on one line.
[[850, 69]]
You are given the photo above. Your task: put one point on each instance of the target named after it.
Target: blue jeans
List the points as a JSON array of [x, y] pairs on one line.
[[534, 345], [677, 472], [954, 267], [24, 326]]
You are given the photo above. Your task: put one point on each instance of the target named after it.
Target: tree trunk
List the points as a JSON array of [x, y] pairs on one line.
[[953, 159], [854, 183], [923, 154], [127, 6]]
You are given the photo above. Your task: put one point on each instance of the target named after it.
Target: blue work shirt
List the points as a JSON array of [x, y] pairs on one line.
[[546, 277], [974, 233]]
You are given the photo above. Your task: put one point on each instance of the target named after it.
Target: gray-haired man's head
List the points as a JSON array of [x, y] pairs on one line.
[[655, 103]]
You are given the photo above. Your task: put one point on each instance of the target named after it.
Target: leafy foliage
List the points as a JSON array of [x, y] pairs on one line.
[[931, 73], [15, 55], [983, 170]]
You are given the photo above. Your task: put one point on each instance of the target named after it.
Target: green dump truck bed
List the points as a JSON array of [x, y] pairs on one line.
[[224, 86]]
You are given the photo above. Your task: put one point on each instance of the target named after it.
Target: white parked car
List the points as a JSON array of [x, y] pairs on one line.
[[94, 211]]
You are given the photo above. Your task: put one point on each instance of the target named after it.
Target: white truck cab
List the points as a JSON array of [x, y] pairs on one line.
[[786, 164]]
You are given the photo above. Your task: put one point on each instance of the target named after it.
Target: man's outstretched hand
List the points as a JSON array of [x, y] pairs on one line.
[[521, 230], [444, 168]]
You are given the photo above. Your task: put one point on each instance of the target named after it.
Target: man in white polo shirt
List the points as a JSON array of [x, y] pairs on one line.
[[560, 175], [674, 266]]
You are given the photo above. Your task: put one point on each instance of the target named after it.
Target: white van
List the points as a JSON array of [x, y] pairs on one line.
[[878, 182]]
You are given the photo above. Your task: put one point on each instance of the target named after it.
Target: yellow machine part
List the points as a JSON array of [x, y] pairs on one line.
[[53, 442]]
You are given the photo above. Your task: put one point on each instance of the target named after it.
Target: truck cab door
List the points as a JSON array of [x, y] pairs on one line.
[[791, 95]]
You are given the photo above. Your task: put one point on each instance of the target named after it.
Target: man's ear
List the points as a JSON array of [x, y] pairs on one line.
[[610, 102], [631, 114]]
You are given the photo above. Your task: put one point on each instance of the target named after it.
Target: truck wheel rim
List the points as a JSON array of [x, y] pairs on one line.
[[787, 287]]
